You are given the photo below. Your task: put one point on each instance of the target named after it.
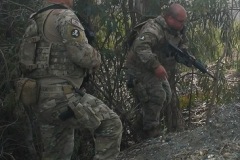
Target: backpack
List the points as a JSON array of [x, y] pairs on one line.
[[135, 30], [133, 34]]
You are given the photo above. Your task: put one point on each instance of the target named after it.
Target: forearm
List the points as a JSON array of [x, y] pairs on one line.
[[143, 50]]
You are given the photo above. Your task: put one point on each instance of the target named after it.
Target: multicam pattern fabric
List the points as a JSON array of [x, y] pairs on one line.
[[62, 57], [150, 49], [63, 49], [90, 113], [74, 38]]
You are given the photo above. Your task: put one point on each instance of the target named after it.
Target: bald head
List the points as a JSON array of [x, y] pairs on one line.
[[176, 10], [175, 16], [68, 3]]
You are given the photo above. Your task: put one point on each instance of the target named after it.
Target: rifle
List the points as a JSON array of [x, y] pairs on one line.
[[188, 59]]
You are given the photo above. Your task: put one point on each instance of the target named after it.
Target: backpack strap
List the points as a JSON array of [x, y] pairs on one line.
[[54, 6], [133, 34]]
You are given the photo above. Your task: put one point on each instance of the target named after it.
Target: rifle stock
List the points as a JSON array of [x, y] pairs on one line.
[[197, 64]]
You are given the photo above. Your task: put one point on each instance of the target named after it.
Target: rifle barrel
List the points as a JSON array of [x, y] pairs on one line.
[[194, 62]]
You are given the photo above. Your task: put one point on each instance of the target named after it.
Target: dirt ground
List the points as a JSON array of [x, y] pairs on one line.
[[220, 140]]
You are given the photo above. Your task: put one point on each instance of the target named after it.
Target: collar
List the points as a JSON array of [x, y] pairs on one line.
[[161, 21]]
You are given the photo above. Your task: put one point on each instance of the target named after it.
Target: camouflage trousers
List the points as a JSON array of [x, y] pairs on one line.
[[57, 136], [152, 93]]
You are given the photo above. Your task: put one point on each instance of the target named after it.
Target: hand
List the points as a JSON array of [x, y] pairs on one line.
[[161, 73]]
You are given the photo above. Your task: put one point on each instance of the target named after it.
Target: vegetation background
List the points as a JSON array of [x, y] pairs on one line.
[[213, 31]]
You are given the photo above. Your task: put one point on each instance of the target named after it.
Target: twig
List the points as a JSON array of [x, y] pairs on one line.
[[1, 103], [21, 5], [215, 87], [5, 62], [114, 101], [221, 149], [190, 101], [8, 155]]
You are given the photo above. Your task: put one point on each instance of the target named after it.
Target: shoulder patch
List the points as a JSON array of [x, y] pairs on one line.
[[75, 33], [142, 38]]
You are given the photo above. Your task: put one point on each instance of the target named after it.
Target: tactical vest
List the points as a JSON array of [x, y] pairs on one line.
[[41, 58]]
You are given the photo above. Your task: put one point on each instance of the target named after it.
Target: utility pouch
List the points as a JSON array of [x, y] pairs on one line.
[[141, 92], [85, 115], [27, 91]]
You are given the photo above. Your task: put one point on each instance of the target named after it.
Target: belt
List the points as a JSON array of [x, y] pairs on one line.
[[66, 89]]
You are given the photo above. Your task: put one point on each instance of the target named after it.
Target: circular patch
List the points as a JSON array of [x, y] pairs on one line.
[[142, 38], [75, 33]]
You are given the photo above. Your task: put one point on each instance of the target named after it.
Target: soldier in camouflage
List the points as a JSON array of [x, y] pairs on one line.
[[148, 63], [59, 65]]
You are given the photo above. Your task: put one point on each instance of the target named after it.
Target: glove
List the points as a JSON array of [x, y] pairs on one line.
[[161, 73], [167, 88]]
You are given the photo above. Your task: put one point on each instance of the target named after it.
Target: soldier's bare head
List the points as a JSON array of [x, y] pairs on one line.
[[175, 16], [68, 3]]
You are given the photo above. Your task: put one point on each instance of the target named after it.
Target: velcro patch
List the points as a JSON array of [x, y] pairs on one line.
[[77, 23]]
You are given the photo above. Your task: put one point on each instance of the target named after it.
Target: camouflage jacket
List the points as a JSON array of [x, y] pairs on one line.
[[63, 51], [150, 48]]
